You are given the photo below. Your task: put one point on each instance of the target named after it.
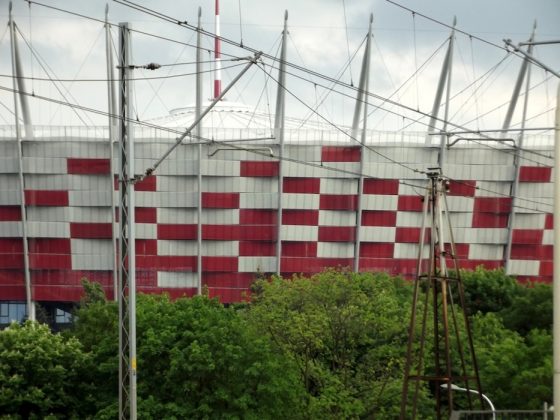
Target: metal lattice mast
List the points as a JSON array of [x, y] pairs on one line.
[[127, 266], [435, 315]]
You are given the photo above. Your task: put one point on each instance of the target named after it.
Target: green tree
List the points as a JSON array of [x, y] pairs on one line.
[[531, 308], [43, 374], [347, 332], [196, 359]]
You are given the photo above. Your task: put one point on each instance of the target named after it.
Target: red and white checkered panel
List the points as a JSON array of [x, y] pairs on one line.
[[68, 187]]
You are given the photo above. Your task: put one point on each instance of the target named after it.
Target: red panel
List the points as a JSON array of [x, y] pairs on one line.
[[12, 292], [410, 203], [173, 293], [11, 245], [50, 261], [59, 294], [337, 233], [527, 236], [377, 249], [145, 215], [147, 184], [546, 268], [11, 261], [401, 267], [492, 204], [313, 265], [299, 249], [166, 262], [410, 235], [46, 198], [340, 154], [257, 248], [302, 185], [219, 264], [91, 230], [229, 295], [146, 246], [10, 214], [259, 168], [531, 252], [220, 200], [257, 217], [338, 202], [549, 221], [50, 246], [534, 279], [490, 220], [83, 166], [462, 250], [379, 218], [258, 233], [176, 231], [381, 186], [228, 280], [11, 277], [70, 277], [300, 217], [473, 264], [462, 188], [222, 232], [534, 174]]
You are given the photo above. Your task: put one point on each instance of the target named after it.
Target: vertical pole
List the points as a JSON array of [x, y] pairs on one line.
[[442, 150], [279, 133], [441, 85], [112, 108], [27, 275], [199, 149], [217, 54], [362, 92], [556, 278], [525, 69], [127, 266]]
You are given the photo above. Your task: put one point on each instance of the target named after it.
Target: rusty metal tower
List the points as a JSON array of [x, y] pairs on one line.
[[440, 351]]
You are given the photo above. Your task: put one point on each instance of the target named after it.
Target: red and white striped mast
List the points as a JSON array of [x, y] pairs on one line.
[[217, 55]]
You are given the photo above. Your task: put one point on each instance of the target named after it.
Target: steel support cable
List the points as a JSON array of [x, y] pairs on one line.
[[386, 157], [39, 58], [231, 143]]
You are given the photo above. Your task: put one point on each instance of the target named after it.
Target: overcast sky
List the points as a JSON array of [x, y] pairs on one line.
[[323, 34]]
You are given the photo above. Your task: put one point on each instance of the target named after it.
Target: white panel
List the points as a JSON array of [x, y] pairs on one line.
[[460, 204], [9, 182], [337, 218], [377, 234], [10, 229], [175, 247], [44, 165], [480, 236], [299, 233], [335, 250], [258, 200], [220, 183], [91, 246], [528, 221], [536, 190], [407, 154], [176, 183], [294, 169], [177, 215], [173, 167], [492, 189], [220, 248], [524, 267], [410, 251], [258, 184], [480, 172], [50, 182], [461, 220], [172, 199], [413, 187], [300, 201], [92, 262], [339, 186], [409, 219], [220, 216], [151, 150], [486, 252], [548, 237], [173, 279], [8, 165], [257, 264], [89, 198], [146, 231], [10, 197], [306, 153], [48, 229], [379, 202], [49, 214], [216, 167], [90, 214], [479, 156]]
